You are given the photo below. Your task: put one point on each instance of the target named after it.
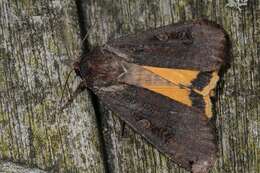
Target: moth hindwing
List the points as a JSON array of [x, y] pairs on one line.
[[159, 82]]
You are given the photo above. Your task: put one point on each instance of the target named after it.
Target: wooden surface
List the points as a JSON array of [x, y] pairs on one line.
[[36, 38], [10, 167]]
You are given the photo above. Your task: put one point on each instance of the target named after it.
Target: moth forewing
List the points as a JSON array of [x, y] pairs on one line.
[[159, 82]]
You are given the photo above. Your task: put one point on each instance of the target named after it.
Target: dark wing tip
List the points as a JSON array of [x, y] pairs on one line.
[[196, 145], [220, 36]]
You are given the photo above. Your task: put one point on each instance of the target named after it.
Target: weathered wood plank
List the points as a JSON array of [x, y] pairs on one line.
[[237, 108], [36, 38], [17, 168]]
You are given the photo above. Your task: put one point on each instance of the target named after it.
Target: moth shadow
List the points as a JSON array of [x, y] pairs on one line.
[[223, 70]]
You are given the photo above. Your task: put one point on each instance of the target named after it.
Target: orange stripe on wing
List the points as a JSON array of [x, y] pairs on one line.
[[186, 78], [176, 76]]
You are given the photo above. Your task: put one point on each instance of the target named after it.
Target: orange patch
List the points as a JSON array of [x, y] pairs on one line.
[[176, 76], [181, 85], [184, 78], [211, 85], [173, 92], [208, 106]]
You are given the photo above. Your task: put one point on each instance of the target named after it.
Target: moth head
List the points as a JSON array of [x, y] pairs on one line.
[[99, 67]]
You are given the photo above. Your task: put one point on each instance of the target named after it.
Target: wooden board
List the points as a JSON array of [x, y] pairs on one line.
[[36, 37]]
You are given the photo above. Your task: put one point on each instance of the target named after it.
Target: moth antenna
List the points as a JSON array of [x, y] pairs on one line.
[[85, 38], [81, 87], [67, 79], [70, 61], [66, 83], [123, 129]]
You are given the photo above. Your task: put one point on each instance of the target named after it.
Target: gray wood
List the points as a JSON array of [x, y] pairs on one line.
[[11, 167], [36, 38]]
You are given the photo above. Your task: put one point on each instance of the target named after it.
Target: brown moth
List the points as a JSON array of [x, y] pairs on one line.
[[160, 82]]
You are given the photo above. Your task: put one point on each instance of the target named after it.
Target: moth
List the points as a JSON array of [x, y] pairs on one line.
[[159, 82]]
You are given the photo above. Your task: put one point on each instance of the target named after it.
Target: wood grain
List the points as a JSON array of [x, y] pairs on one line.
[[37, 36]]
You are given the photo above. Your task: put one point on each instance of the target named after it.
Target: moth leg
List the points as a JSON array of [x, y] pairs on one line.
[[80, 88], [123, 130]]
